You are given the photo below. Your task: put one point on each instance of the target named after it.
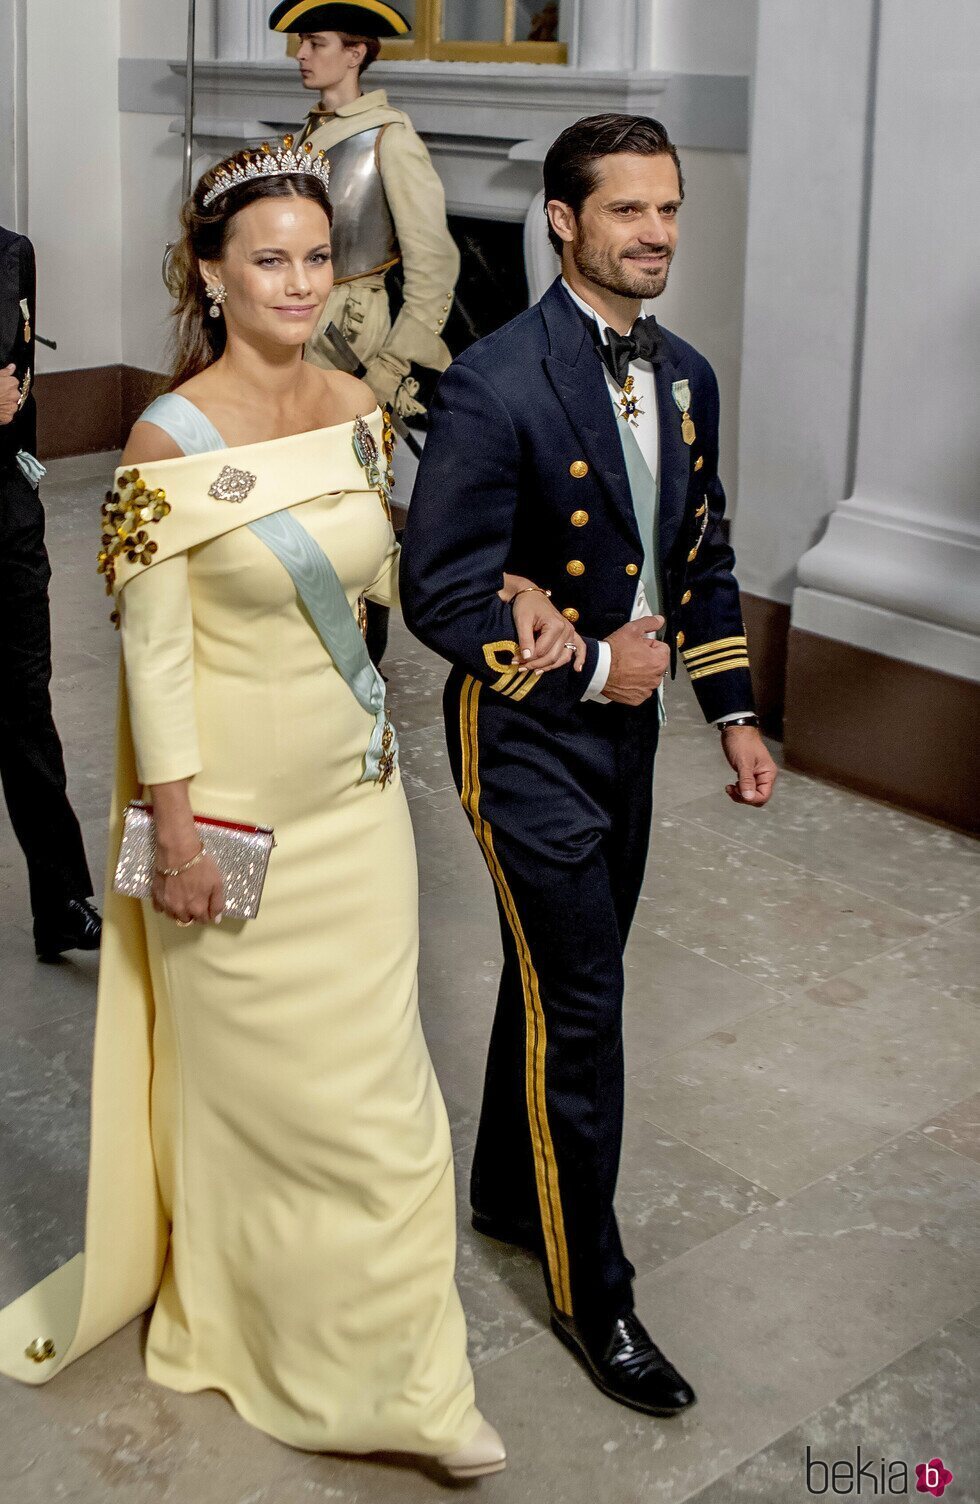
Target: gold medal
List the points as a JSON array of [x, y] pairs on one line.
[[688, 431], [629, 404]]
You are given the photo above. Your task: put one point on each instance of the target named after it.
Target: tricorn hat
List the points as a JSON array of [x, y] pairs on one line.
[[362, 18]]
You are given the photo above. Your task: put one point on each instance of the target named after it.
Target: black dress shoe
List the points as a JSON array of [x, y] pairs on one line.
[[70, 925], [627, 1365], [508, 1232]]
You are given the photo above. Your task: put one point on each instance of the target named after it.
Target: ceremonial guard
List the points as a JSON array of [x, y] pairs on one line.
[[578, 447], [31, 762], [389, 211]]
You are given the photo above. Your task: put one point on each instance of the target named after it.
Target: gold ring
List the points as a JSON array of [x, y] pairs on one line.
[[184, 924], [569, 644]]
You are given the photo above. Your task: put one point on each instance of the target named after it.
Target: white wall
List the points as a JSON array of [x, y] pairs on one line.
[[696, 36], [73, 191], [703, 301], [160, 29], [807, 194], [151, 162]]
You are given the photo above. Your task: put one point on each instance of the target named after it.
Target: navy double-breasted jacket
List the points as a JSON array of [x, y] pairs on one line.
[[523, 470]]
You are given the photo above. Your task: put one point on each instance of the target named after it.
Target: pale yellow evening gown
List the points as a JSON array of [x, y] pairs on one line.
[[300, 1141]]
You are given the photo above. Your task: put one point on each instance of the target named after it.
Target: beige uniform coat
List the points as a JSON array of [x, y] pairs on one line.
[[430, 260]]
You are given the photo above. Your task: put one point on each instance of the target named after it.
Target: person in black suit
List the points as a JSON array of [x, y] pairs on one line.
[[578, 447], [32, 765]]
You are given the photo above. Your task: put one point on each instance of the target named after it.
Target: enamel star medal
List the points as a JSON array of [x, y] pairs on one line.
[[681, 393], [629, 404]]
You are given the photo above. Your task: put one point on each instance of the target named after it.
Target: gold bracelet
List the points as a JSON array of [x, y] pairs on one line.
[[179, 871], [526, 590]]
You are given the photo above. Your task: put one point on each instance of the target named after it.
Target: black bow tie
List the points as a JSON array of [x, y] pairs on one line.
[[619, 350]]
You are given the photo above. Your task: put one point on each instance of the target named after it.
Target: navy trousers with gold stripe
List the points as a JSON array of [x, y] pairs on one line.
[[561, 808]]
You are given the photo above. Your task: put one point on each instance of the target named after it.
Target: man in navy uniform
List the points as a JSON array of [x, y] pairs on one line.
[[578, 446], [31, 763]]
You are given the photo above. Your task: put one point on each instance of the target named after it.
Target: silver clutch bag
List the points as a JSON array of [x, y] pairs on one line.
[[240, 852]]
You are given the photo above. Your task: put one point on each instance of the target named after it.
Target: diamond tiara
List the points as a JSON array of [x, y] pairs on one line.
[[245, 166]]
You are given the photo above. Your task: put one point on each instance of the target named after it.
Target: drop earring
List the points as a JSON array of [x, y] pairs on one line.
[[217, 292]]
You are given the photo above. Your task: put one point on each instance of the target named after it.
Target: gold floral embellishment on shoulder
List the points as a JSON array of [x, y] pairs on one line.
[[125, 514]]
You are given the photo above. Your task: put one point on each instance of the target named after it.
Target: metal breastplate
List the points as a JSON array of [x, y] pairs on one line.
[[364, 238]]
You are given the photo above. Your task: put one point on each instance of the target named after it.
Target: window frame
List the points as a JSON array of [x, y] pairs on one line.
[[429, 42]]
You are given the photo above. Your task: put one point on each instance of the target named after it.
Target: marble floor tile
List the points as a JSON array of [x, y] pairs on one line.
[[885, 853], [690, 768], [502, 1287], [771, 1321], [921, 1406], [34, 993], [675, 996], [424, 761], [415, 679], [447, 848], [958, 1128], [671, 1197], [773, 922], [43, 1158], [785, 1096], [946, 960], [459, 972]]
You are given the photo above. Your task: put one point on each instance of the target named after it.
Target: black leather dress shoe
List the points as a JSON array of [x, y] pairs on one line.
[[70, 925], [628, 1366], [508, 1232]]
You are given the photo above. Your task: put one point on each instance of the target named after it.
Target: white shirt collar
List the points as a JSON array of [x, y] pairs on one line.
[[586, 308]]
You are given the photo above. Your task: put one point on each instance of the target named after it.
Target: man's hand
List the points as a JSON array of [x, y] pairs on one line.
[[9, 393], [639, 661], [755, 769]]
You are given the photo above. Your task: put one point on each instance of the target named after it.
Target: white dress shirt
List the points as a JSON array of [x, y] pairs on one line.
[[647, 432]]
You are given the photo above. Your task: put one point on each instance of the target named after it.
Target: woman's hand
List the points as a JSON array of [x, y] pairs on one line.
[[545, 639], [197, 894]]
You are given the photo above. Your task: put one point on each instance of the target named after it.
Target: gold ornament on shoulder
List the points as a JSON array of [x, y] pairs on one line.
[[126, 513]]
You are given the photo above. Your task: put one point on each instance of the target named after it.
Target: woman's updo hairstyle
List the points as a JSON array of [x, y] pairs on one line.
[[197, 339]]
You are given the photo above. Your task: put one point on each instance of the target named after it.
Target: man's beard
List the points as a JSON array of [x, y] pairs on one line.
[[617, 273]]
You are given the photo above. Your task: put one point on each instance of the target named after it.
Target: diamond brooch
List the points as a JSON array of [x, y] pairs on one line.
[[232, 484]]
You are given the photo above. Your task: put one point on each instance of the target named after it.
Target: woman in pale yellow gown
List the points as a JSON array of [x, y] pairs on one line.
[[271, 1167]]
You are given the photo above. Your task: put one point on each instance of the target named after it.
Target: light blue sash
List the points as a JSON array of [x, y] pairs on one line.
[[646, 505], [317, 583]]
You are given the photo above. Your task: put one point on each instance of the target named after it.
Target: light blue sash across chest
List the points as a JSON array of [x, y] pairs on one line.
[[317, 582]]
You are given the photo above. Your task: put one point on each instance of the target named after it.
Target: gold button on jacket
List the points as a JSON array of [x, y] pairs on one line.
[[685, 597], [579, 519], [699, 462], [681, 639], [632, 569], [692, 555], [575, 566], [579, 469], [570, 613]]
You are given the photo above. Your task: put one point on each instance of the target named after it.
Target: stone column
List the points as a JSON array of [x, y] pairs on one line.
[[804, 271], [884, 658], [607, 37], [243, 34]]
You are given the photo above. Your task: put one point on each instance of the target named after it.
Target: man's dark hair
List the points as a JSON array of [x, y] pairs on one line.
[[570, 168], [372, 44]]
